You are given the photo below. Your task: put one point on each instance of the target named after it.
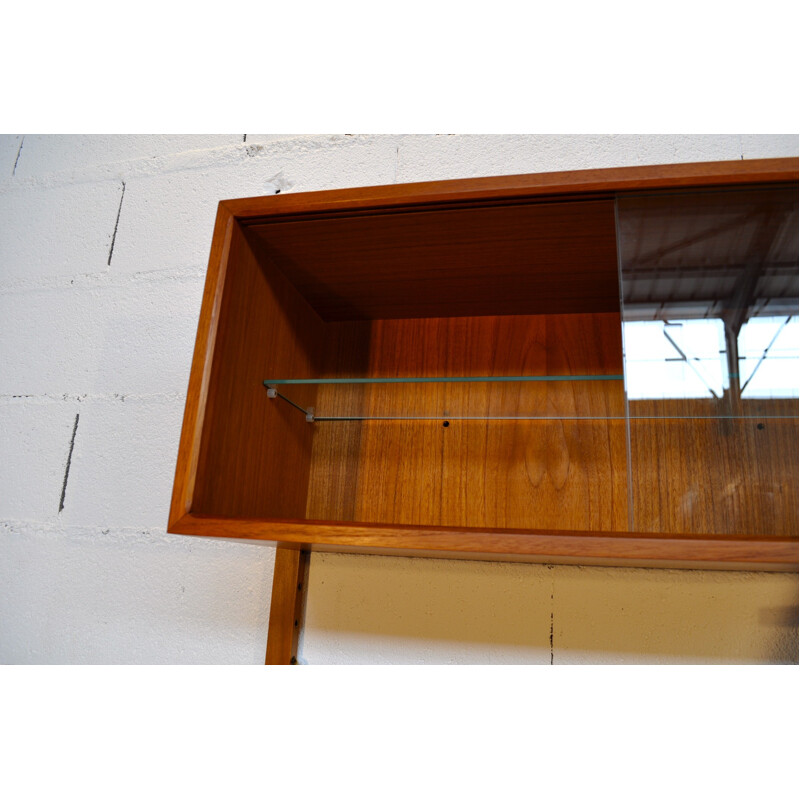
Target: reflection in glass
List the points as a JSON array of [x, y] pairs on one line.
[[709, 290], [769, 351], [675, 358], [709, 287]]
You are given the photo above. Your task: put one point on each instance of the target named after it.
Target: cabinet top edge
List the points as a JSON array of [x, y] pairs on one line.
[[591, 182]]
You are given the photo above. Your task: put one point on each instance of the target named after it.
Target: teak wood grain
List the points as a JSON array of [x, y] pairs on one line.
[[578, 183], [197, 393], [255, 456], [478, 473], [386, 281], [731, 475], [544, 258], [570, 547], [286, 607]]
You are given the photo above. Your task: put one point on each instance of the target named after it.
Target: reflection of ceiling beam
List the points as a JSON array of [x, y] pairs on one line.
[[730, 286], [634, 271], [765, 294], [708, 233], [682, 311], [743, 294]]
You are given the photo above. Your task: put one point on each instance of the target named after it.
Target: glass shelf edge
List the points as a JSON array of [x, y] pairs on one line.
[[754, 418], [463, 379]]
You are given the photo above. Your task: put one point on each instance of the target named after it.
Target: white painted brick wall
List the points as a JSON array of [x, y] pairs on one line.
[[123, 463], [45, 154], [100, 337], [443, 157], [57, 232], [34, 442], [73, 595], [101, 581], [9, 148], [759, 145]]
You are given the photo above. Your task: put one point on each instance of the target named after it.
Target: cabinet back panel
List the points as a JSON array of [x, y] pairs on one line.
[[515, 474], [715, 476]]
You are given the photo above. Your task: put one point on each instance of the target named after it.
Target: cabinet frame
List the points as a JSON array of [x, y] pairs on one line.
[[554, 546]]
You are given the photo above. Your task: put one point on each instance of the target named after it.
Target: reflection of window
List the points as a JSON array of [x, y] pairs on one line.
[[687, 358], [769, 348], [680, 358]]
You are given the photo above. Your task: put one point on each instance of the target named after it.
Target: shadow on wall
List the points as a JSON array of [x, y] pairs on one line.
[[374, 609]]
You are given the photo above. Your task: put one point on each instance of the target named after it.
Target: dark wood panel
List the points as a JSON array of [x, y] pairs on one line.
[[526, 259]]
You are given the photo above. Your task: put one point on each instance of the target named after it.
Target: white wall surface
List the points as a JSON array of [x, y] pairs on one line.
[[103, 248]]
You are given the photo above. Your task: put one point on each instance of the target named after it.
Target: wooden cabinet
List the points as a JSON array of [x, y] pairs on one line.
[[538, 367]]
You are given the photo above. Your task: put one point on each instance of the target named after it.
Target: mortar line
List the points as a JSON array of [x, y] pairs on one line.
[[116, 397], [116, 224], [102, 280], [69, 463], [16, 160]]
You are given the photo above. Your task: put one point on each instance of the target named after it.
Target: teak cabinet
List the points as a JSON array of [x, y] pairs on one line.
[[594, 367]]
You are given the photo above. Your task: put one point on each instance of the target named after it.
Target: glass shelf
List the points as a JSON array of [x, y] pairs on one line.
[[512, 397], [500, 398]]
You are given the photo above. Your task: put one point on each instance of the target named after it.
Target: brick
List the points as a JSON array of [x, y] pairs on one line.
[[123, 464], [135, 338], [148, 336], [774, 145], [167, 220], [424, 158], [43, 154], [270, 138], [60, 231], [452, 156], [9, 148], [34, 447], [685, 148], [76, 596]]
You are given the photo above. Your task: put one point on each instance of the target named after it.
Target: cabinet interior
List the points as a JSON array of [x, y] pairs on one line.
[[475, 367]]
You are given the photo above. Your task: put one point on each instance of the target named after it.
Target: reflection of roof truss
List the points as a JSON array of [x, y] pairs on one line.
[[727, 256], [702, 292], [656, 256], [688, 361], [765, 354]]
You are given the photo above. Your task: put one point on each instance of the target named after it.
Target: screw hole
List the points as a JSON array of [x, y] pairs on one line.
[[295, 623]]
